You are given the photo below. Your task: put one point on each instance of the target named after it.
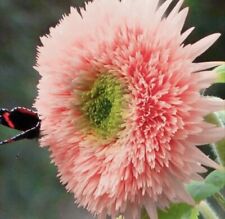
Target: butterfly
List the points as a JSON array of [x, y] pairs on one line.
[[22, 119]]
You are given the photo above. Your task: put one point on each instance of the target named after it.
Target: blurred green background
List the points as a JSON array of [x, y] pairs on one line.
[[29, 188]]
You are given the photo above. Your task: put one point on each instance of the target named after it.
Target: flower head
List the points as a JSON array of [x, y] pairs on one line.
[[119, 98]]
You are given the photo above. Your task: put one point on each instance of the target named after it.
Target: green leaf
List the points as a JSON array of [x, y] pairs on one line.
[[220, 74], [179, 211], [201, 190], [216, 178], [212, 184], [194, 213]]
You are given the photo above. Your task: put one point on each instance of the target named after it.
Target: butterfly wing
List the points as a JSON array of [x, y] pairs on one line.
[[22, 119]]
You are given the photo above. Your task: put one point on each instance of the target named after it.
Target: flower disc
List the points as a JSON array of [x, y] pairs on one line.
[[102, 105]]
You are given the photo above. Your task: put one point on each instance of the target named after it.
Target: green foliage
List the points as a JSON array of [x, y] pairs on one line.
[[176, 211], [179, 211], [220, 151], [218, 118], [220, 74], [212, 184], [199, 191], [216, 178]]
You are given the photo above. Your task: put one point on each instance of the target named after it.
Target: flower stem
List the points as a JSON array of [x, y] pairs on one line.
[[206, 211], [220, 200], [218, 118]]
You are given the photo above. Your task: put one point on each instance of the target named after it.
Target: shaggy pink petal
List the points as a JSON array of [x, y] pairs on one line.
[[211, 104], [185, 35], [176, 9], [202, 45], [204, 66], [154, 153], [151, 209], [205, 78]]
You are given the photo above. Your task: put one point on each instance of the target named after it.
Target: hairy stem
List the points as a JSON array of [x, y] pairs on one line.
[[220, 200], [218, 118], [206, 210]]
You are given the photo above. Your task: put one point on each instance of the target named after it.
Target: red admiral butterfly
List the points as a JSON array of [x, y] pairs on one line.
[[22, 119]]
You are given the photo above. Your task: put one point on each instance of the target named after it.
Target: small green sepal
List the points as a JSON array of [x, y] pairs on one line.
[[220, 71]]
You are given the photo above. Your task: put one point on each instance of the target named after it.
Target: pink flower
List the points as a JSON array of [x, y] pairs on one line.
[[119, 98]]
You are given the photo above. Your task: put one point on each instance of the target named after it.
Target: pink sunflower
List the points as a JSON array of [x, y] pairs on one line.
[[119, 98]]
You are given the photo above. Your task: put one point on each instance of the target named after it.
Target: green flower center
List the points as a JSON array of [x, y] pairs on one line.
[[102, 105]]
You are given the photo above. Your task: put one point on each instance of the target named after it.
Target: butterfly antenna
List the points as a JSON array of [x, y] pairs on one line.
[[15, 138]]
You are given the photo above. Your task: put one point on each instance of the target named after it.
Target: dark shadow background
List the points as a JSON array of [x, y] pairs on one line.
[[29, 188]]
